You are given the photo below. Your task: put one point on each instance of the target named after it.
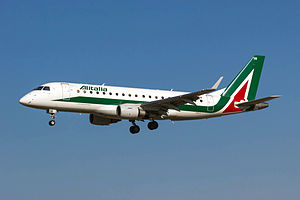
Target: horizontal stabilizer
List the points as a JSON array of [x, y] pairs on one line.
[[262, 100]]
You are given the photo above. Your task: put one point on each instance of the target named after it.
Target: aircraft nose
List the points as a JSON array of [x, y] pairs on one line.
[[24, 100]]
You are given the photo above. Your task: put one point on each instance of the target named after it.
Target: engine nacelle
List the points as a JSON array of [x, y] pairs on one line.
[[98, 120], [130, 111]]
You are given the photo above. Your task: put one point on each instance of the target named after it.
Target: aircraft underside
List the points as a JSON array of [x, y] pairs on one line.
[[100, 118]]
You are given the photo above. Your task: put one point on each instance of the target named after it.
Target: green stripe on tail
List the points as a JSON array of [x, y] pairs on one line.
[[255, 65]]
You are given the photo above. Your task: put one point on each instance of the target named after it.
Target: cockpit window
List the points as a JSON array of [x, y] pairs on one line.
[[46, 88], [38, 88]]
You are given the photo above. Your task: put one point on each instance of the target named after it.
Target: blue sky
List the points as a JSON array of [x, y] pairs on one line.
[[180, 45]]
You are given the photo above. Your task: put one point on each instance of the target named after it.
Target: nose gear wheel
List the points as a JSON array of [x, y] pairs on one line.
[[51, 122]]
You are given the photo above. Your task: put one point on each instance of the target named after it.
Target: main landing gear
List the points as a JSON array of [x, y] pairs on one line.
[[152, 125], [134, 129], [52, 115]]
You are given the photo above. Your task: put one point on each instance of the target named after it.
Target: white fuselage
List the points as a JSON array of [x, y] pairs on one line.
[[103, 100], [109, 104]]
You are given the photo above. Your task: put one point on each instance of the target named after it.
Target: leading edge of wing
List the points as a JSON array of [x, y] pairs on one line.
[[176, 101]]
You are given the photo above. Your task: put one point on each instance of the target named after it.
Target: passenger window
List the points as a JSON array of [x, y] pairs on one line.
[[143, 96], [150, 96], [91, 92], [136, 95], [123, 94], [117, 94], [78, 91], [156, 97], [103, 93], [84, 91], [110, 93], [97, 92], [162, 97], [129, 95]]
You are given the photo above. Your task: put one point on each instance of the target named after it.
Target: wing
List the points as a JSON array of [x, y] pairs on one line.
[[173, 102]]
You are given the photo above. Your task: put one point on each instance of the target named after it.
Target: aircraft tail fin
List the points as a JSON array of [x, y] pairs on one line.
[[244, 85]]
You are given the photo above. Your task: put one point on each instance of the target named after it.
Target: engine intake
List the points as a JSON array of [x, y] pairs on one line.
[[130, 111]]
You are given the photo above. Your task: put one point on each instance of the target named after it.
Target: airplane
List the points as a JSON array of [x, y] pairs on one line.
[[108, 104]]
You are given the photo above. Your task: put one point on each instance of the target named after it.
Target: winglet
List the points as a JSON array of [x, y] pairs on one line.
[[216, 85]]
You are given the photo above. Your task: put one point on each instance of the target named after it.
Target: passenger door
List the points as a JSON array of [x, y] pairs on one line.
[[66, 92], [210, 103]]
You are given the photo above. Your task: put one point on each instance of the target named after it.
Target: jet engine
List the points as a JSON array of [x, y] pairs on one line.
[[130, 111], [98, 120]]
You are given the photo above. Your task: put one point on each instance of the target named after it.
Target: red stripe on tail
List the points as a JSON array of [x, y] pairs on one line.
[[240, 96]]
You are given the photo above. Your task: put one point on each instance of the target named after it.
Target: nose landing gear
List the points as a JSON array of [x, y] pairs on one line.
[[52, 122], [52, 115]]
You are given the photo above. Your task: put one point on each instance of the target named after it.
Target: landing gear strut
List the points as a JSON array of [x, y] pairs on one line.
[[52, 115], [152, 125], [134, 129]]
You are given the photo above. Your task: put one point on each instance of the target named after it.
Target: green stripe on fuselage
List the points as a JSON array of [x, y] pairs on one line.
[[105, 101]]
